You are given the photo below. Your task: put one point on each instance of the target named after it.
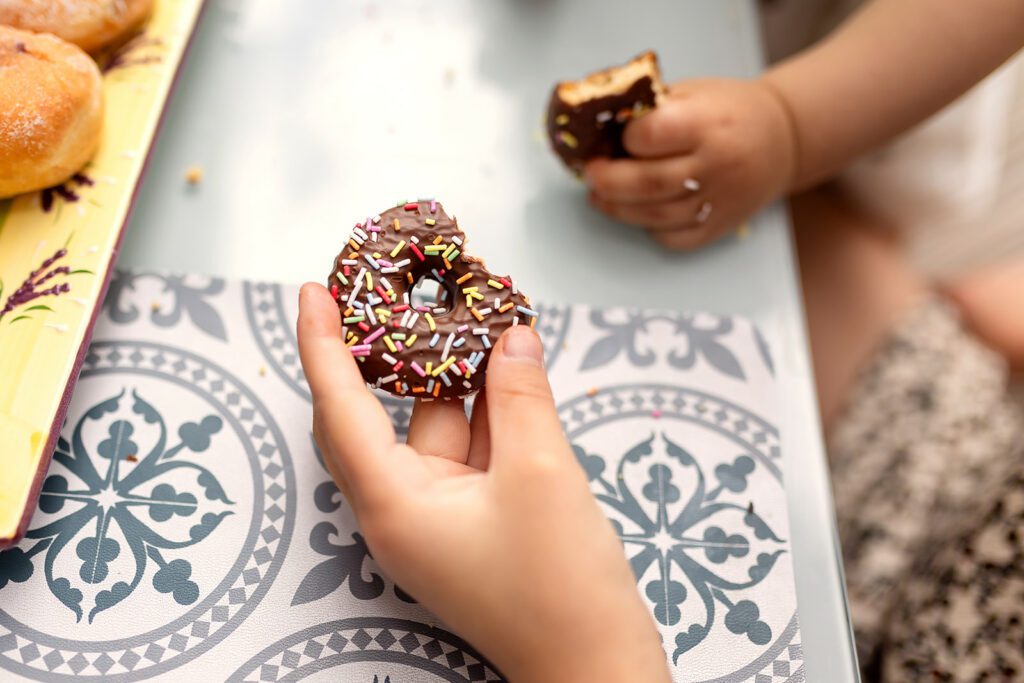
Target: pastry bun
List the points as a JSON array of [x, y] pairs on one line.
[[90, 24], [51, 110]]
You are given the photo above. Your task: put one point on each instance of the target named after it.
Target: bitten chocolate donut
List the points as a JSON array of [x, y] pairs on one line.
[[437, 350], [586, 118]]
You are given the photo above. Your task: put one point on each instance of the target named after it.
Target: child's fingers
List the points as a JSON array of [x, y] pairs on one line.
[[657, 216], [440, 428], [637, 181], [523, 423], [357, 427], [480, 435], [323, 445], [669, 130]]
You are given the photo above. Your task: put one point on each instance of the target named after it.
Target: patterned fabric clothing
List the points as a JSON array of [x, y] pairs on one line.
[[926, 472]]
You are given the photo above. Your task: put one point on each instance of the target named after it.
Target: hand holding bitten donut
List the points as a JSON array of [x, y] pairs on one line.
[[708, 157], [90, 24], [51, 110], [490, 524]]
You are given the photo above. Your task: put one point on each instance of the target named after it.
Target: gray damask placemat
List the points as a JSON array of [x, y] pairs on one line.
[[188, 531]]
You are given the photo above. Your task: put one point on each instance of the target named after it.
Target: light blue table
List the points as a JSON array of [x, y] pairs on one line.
[[306, 116]]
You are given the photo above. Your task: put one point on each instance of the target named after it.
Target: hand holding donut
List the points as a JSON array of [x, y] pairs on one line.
[[484, 522], [712, 154]]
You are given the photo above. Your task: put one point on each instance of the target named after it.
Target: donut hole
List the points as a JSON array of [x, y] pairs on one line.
[[438, 296]]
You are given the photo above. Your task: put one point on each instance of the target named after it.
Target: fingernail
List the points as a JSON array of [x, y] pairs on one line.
[[522, 343]]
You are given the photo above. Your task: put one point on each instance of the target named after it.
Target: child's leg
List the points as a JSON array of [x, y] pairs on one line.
[[991, 301], [918, 416], [856, 282]]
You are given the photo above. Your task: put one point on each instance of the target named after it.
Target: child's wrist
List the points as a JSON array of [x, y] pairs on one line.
[[794, 174]]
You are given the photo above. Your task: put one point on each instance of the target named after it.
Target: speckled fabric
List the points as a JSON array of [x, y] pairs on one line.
[[964, 619], [926, 464]]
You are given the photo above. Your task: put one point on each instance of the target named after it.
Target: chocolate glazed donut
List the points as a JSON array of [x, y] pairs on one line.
[[437, 350], [586, 119]]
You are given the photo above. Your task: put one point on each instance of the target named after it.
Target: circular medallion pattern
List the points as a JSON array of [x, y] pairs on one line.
[[181, 484], [698, 527]]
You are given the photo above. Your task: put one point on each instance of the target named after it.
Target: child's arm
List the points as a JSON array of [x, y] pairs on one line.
[[489, 525], [718, 150], [890, 66]]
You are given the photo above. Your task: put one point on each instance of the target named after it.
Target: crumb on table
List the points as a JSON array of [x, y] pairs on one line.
[[193, 174]]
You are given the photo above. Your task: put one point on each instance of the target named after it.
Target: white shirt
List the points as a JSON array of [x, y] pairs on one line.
[[949, 183]]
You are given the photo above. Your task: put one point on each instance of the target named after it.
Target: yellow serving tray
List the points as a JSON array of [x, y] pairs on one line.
[[56, 250]]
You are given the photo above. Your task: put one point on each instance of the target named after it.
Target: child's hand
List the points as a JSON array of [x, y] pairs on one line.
[[711, 155], [490, 525]]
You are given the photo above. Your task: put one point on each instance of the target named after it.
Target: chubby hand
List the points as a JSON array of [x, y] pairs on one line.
[[711, 155], [488, 522]]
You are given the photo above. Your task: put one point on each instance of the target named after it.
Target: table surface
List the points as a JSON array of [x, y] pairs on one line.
[[303, 122]]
